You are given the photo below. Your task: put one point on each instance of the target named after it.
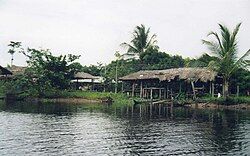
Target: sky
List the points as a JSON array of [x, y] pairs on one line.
[[95, 29]]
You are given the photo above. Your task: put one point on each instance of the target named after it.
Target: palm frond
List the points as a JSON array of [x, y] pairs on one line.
[[213, 47], [235, 32], [217, 37], [239, 62]]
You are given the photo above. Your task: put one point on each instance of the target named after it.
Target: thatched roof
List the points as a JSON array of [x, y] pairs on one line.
[[194, 74], [17, 70], [4, 71], [82, 75]]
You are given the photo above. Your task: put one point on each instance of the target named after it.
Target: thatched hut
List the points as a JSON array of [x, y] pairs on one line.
[[17, 70], [5, 73], [170, 81], [84, 80]]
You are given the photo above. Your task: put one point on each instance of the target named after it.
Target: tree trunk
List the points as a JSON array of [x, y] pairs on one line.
[[225, 88]]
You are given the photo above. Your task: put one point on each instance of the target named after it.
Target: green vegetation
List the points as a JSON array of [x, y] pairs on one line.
[[14, 47], [48, 76], [141, 41], [118, 98], [225, 51]]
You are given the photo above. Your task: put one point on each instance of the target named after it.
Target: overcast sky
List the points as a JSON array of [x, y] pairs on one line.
[[95, 28]]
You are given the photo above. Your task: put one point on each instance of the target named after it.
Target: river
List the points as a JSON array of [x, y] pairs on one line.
[[99, 129]]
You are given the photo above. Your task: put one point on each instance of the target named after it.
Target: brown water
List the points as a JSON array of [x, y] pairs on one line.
[[67, 129]]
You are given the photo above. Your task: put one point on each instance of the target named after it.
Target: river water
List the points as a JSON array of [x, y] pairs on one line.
[[92, 129]]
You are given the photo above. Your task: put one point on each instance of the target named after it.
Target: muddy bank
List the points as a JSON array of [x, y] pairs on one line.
[[244, 106]]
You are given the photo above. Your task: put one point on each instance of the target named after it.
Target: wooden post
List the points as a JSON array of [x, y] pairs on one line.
[[159, 93], [92, 84], [212, 91], [164, 93], [77, 84], [192, 83], [133, 89], [122, 87], [238, 90], [210, 87], [180, 88], [151, 93], [171, 92], [167, 91], [159, 107], [141, 92]]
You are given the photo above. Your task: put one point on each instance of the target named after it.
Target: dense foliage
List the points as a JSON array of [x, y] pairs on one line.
[[224, 48], [46, 73]]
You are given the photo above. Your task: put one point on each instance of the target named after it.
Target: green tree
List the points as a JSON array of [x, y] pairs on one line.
[[141, 41], [224, 48], [202, 61], [14, 47]]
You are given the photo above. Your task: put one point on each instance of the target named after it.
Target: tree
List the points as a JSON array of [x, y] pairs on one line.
[[141, 41], [224, 48], [202, 61], [14, 47]]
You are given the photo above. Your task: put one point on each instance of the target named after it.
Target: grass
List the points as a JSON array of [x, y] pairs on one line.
[[119, 99]]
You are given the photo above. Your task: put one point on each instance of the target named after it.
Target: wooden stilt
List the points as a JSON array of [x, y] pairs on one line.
[[238, 90], [164, 93], [210, 88], [212, 91], [194, 96], [122, 87], [141, 91], [180, 87], [92, 84], [133, 89], [167, 91], [171, 92], [151, 94]]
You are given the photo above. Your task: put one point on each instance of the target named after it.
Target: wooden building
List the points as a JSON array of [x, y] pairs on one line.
[[84, 81], [5, 73], [163, 84]]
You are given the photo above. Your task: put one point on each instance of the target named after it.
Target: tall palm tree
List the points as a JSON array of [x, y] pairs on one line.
[[224, 48], [14, 46], [141, 41]]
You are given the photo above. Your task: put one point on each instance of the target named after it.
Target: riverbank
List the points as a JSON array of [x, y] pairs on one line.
[[243, 106], [78, 97]]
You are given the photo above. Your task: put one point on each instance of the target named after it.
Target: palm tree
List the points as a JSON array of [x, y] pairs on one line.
[[13, 48], [141, 41], [224, 48]]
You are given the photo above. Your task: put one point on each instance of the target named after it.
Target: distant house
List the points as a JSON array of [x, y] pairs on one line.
[[17, 70], [5, 73], [10, 72], [169, 83], [86, 81]]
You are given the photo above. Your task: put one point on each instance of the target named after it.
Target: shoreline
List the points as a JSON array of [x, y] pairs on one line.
[[243, 106], [79, 100], [65, 100]]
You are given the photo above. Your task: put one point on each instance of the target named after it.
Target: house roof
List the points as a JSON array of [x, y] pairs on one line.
[[5, 71], [17, 70], [83, 75], [189, 74]]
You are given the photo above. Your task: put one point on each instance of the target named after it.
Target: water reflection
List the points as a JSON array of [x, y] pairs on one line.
[[87, 129]]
